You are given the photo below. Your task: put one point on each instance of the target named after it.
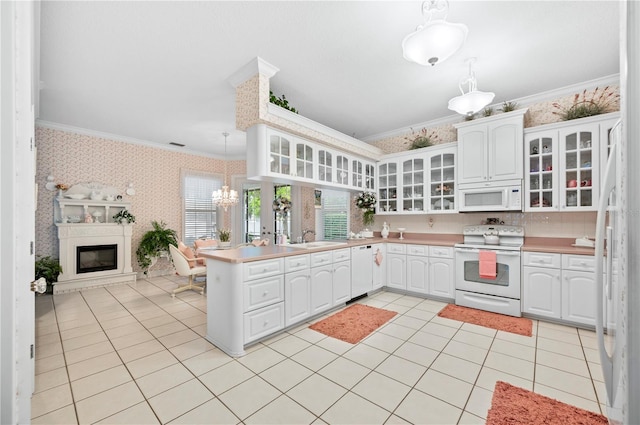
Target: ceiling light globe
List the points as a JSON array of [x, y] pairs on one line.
[[470, 103], [434, 42]]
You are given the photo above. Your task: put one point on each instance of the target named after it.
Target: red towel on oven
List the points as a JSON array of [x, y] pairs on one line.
[[487, 261]]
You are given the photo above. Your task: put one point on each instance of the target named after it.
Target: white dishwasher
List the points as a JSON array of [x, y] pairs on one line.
[[361, 270]]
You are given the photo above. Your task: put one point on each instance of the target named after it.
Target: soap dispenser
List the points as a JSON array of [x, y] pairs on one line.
[[385, 230]]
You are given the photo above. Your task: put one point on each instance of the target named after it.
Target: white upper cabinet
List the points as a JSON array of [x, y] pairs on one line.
[[563, 163], [490, 149], [274, 155], [441, 186]]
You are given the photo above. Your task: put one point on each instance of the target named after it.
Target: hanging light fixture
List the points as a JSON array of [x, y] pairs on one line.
[[473, 101], [224, 197], [435, 40]]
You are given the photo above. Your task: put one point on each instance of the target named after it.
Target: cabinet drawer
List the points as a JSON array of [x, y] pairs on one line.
[[586, 263], [297, 262], [263, 322], [395, 248], [441, 251], [341, 254], [320, 258], [541, 259], [264, 268], [418, 250], [263, 292]]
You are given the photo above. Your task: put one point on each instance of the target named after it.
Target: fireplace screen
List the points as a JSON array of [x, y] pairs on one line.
[[96, 258]]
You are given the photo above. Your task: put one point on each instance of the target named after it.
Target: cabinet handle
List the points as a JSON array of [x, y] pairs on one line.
[[266, 322], [583, 263], [265, 293]]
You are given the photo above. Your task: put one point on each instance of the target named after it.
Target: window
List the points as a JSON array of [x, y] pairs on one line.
[[251, 214], [200, 216], [282, 222], [335, 214]]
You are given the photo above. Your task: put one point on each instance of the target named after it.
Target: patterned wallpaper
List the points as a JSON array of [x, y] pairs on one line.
[[155, 173], [538, 114]]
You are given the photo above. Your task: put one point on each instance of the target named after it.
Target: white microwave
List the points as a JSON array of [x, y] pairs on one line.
[[494, 196]]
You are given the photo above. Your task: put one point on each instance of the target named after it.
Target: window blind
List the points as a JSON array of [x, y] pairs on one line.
[[335, 214], [199, 210]]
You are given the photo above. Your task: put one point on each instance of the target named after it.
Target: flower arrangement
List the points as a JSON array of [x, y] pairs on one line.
[[508, 106], [600, 102], [224, 235], [124, 215], [366, 201], [421, 139], [281, 205]]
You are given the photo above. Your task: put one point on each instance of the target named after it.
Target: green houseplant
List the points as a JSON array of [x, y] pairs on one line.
[[281, 102], [600, 102], [124, 216], [155, 243], [509, 106], [50, 269], [421, 139], [224, 235]]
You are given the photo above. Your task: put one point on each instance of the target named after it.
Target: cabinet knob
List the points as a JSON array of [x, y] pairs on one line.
[[266, 322], [265, 293]]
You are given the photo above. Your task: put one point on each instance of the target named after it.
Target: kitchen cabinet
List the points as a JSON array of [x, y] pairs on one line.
[[396, 266], [417, 268], [274, 155], [387, 186], [491, 149], [563, 163], [297, 297], [413, 179], [321, 296], [559, 286], [379, 270], [341, 282], [441, 272], [441, 186]]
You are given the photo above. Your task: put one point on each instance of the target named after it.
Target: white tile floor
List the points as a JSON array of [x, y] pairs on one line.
[[133, 355]]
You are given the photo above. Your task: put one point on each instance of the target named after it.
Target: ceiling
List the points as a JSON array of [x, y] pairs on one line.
[[158, 71]]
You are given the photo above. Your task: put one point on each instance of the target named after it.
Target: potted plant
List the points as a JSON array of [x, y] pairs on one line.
[[154, 244], [366, 201], [421, 139], [600, 102], [124, 216], [224, 235], [48, 268], [281, 102]]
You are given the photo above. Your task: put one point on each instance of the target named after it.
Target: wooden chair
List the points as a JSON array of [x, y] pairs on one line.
[[184, 268]]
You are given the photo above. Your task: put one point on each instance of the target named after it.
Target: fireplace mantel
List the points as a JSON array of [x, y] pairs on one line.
[[73, 235]]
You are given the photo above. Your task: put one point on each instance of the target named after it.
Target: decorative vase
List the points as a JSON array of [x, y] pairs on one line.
[[385, 230]]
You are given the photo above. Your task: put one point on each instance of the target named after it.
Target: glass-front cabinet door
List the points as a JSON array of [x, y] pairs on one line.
[[442, 166], [357, 170], [387, 187], [369, 176], [580, 170], [413, 185], [304, 160], [325, 165], [342, 169], [279, 151], [540, 181]]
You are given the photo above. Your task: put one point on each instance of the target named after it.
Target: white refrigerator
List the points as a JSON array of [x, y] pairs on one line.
[[618, 231]]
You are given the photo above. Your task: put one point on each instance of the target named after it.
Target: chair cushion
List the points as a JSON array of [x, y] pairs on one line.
[[188, 252], [205, 243]]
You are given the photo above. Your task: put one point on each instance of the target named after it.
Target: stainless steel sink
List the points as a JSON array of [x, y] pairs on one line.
[[317, 244]]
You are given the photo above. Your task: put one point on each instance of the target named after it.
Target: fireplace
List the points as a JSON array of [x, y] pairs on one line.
[[96, 258]]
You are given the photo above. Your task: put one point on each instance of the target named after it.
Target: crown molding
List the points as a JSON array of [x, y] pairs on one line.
[[257, 65], [130, 140], [523, 101]]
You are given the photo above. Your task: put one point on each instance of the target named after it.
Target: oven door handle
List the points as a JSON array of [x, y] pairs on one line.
[[476, 250]]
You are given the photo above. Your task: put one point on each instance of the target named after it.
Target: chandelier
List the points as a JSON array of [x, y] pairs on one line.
[[224, 197], [435, 40], [474, 100]]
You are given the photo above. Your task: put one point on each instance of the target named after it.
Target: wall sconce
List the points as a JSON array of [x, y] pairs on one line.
[[130, 190], [51, 184]]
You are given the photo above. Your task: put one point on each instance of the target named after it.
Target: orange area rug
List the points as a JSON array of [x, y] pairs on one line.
[[353, 323], [514, 406], [501, 322]]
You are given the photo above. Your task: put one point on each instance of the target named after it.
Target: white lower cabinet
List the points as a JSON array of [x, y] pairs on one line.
[[442, 277], [396, 271], [262, 322], [321, 288], [341, 282], [297, 297], [559, 286], [417, 274], [541, 291]]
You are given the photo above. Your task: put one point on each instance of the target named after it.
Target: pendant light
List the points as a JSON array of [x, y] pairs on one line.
[[474, 100], [224, 197], [435, 40]]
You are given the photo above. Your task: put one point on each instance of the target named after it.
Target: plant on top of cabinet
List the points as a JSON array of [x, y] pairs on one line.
[[155, 243], [422, 139], [281, 102], [600, 102], [366, 201], [123, 216], [509, 106], [487, 111]]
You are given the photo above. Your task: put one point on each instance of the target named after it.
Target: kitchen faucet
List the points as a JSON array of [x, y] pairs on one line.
[[304, 233]]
